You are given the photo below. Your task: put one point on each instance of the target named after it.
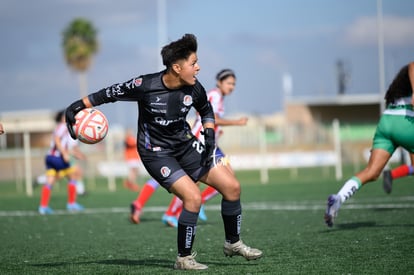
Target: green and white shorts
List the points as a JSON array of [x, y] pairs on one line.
[[396, 128]]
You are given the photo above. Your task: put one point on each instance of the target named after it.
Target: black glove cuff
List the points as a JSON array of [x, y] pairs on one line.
[[77, 106], [208, 133]]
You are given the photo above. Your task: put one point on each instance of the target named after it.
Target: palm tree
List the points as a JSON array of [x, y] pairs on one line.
[[79, 46]]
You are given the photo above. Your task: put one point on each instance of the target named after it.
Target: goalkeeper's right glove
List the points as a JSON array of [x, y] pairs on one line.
[[70, 114]]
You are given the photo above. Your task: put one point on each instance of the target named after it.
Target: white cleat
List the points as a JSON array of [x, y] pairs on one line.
[[240, 249], [188, 263]]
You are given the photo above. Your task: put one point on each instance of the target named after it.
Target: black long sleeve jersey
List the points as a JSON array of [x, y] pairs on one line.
[[162, 112]]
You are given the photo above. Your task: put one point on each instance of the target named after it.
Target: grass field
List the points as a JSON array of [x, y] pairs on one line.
[[373, 234]]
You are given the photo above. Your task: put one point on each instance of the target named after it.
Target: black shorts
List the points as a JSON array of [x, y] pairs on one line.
[[168, 165]]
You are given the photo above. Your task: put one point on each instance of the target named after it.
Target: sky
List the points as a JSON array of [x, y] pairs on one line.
[[262, 41]]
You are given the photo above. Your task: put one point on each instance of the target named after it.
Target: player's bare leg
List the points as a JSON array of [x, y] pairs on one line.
[[376, 164]]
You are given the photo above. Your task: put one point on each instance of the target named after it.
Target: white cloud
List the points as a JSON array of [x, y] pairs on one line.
[[398, 31], [269, 58]]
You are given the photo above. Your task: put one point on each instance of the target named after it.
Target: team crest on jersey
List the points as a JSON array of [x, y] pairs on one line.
[[165, 171], [188, 100], [138, 82]]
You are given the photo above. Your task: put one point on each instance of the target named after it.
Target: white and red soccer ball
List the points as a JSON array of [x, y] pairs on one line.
[[91, 126]]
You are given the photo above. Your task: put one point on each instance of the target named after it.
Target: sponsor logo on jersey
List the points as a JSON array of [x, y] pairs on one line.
[[157, 102], [188, 100], [114, 90], [165, 122], [165, 171], [158, 111]]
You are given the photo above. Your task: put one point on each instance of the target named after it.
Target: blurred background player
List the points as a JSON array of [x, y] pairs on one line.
[[76, 159], [1, 129], [395, 128], [58, 165], [226, 82], [133, 160]]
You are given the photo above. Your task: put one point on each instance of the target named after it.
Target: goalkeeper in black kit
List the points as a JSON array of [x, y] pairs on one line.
[[170, 152]]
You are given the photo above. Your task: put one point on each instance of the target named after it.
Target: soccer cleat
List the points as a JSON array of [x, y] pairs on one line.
[[387, 181], [135, 214], [202, 214], [45, 210], [74, 207], [189, 263], [170, 220], [332, 208], [240, 249]]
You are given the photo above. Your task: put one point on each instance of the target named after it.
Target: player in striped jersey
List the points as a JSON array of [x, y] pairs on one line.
[[58, 165]]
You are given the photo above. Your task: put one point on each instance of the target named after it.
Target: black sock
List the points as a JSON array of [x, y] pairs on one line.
[[231, 213], [186, 231]]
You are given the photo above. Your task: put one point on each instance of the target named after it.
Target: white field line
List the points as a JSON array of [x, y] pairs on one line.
[[402, 202]]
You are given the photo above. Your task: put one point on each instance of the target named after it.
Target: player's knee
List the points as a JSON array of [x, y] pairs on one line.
[[193, 199], [233, 190], [192, 204], [236, 190]]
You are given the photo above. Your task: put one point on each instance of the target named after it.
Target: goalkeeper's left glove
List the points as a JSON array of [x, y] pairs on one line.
[[70, 114], [209, 146]]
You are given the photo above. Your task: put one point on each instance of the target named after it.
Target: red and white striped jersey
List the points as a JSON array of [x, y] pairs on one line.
[[62, 133], [217, 103]]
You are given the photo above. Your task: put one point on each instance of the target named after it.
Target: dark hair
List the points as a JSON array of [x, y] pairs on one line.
[[223, 74], [59, 116], [178, 50], [399, 87]]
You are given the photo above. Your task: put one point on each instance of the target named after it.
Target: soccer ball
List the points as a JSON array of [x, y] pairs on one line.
[[91, 126]]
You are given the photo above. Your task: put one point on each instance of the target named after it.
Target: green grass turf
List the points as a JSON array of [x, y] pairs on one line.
[[373, 234]]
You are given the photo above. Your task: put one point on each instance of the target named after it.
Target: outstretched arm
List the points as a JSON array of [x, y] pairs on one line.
[[127, 91], [230, 122]]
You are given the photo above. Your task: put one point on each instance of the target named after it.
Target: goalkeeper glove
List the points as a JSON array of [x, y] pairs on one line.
[[209, 146], [70, 113]]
